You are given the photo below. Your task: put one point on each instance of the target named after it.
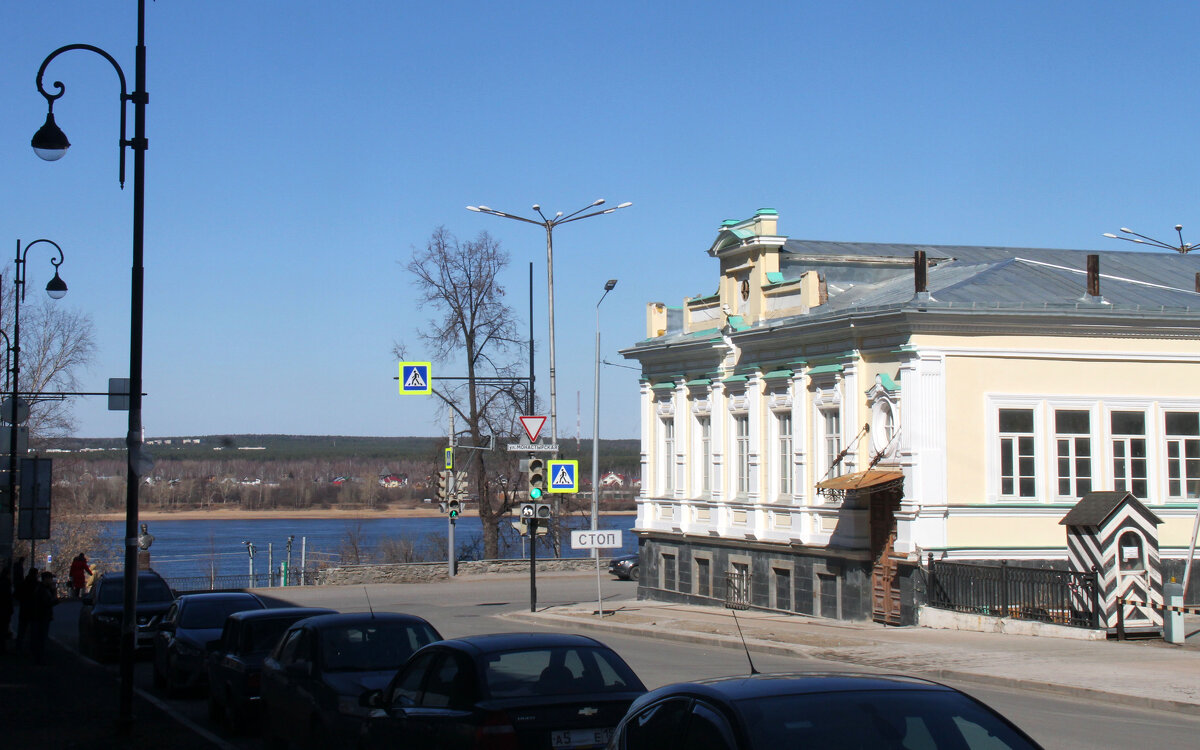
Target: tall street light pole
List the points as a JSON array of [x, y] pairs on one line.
[[18, 409], [608, 287], [50, 143], [549, 225], [1183, 248]]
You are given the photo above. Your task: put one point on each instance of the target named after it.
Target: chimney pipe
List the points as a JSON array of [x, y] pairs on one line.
[[1093, 275], [921, 272]]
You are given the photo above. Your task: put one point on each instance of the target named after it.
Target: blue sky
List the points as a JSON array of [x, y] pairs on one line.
[[299, 151]]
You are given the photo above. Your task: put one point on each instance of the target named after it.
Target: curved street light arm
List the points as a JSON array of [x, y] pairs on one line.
[[61, 89], [573, 216], [588, 216], [21, 256]]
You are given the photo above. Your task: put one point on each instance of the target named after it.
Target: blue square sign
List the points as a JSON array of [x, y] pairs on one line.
[[415, 378], [564, 475]]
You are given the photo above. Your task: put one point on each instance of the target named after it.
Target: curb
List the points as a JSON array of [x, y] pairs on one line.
[[770, 647]]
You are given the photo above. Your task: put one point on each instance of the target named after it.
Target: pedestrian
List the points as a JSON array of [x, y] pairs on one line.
[[18, 574], [24, 597], [44, 599], [79, 575], [6, 608]]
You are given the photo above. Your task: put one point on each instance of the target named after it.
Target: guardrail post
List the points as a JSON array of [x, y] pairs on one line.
[[1096, 601], [1120, 618]]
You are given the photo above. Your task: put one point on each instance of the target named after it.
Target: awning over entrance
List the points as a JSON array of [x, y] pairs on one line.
[[860, 480]]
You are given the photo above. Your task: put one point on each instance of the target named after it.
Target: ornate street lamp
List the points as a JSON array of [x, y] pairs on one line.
[[1182, 248], [50, 143], [549, 225]]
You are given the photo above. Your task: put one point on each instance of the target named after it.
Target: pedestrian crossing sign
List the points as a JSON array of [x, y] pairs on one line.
[[564, 475], [414, 378]]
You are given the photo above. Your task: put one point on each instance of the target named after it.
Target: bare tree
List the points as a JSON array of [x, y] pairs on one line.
[[56, 343], [474, 328]]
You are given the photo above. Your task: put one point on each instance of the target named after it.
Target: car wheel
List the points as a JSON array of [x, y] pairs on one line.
[[633, 573]]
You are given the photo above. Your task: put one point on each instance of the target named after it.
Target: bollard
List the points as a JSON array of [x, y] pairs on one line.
[[1173, 629]]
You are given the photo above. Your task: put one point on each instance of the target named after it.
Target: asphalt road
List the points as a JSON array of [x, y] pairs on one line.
[[476, 605]]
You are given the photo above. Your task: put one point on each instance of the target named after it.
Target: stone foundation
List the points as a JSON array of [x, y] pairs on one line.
[[349, 575]]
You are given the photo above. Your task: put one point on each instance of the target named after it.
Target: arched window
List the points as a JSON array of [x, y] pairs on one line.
[[1130, 553]]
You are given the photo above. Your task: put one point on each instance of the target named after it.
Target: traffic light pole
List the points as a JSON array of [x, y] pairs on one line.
[[533, 525]]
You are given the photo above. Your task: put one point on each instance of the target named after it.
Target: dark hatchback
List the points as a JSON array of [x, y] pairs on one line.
[[509, 691], [235, 661], [100, 615], [815, 712], [184, 632], [624, 567], [312, 681]]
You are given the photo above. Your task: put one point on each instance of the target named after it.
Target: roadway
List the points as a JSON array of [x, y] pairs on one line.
[[473, 605]]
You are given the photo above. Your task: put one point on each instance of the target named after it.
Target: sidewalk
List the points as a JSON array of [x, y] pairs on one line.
[[1147, 673], [69, 702]]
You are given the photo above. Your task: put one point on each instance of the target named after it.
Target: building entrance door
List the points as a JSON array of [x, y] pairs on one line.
[[885, 581]]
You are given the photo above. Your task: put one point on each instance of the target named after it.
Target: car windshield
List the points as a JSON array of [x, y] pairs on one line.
[[149, 591], [260, 636], [558, 671], [206, 613], [917, 719], [373, 646]]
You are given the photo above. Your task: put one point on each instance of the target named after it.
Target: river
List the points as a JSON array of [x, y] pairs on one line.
[[204, 547]]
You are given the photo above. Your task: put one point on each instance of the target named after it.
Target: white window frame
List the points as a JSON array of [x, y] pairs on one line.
[[1127, 483], [741, 452], [1181, 461], [668, 446], [704, 439], [784, 454], [997, 440], [1072, 457]]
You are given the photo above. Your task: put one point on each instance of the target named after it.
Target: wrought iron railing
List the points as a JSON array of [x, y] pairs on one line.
[[737, 590], [1063, 597], [191, 584]]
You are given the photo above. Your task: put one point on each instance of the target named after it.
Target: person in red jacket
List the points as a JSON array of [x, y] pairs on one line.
[[79, 575]]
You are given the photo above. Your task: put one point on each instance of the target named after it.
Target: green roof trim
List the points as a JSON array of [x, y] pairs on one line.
[[823, 369], [778, 374], [731, 222], [738, 323], [734, 379], [699, 382], [774, 277], [766, 211], [888, 384], [663, 386]]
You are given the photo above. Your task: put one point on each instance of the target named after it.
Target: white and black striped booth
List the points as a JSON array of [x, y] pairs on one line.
[[1118, 535]]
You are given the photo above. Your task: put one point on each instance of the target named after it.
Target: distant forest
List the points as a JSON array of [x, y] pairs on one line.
[[266, 472]]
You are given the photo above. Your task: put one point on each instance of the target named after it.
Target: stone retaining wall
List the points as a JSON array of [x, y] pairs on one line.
[[427, 572]]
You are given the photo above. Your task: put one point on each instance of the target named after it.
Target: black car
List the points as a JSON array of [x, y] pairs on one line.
[[312, 681], [624, 567], [184, 632], [815, 712], [235, 660], [507, 691], [100, 615]]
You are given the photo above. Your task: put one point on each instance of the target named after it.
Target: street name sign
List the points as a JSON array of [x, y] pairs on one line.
[[598, 539], [415, 379], [534, 447], [564, 475]]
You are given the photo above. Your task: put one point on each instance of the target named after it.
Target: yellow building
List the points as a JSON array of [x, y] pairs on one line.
[[835, 412]]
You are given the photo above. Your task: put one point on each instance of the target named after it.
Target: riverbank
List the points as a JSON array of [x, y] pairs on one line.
[[284, 514]]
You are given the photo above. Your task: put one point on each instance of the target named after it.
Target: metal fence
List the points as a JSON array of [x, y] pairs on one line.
[[737, 590], [240, 581], [1063, 597]]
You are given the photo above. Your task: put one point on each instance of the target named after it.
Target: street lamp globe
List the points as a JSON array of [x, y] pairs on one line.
[[57, 288], [50, 143]]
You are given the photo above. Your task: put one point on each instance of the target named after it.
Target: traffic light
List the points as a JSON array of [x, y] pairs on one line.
[[443, 490], [454, 506], [535, 476], [541, 511]]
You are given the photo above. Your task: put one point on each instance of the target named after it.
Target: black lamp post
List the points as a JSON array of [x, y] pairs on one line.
[[57, 289], [50, 143]]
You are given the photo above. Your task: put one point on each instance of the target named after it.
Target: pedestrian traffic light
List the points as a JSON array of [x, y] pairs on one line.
[[541, 511], [535, 476], [454, 506], [527, 510]]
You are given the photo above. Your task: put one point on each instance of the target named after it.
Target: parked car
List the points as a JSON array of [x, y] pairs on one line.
[[312, 681], [185, 630], [511, 690], [815, 712], [103, 607], [235, 661], [624, 567]]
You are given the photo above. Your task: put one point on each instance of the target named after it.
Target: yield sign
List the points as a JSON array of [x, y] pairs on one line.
[[533, 426]]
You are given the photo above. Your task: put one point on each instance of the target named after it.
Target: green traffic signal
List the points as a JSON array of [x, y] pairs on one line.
[[535, 493]]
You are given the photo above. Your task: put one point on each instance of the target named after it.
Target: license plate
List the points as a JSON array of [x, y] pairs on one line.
[[581, 737]]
